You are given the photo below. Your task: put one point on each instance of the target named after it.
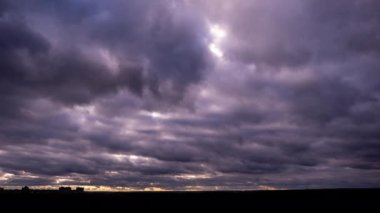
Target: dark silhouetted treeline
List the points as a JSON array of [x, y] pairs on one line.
[[287, 199]]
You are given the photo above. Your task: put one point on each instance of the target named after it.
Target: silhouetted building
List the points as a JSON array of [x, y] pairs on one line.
[[79, 189], [25, 189], [1, 189], [65, 189]]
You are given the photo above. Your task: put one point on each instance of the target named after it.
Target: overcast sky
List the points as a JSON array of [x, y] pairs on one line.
[[190, 94]]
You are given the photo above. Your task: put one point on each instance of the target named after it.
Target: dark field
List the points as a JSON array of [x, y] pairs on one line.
[[313, 199]]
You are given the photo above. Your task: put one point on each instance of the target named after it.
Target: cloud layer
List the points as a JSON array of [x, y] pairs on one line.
[[128, 93]]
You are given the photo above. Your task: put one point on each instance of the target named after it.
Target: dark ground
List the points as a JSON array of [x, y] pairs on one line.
[[313, 199]]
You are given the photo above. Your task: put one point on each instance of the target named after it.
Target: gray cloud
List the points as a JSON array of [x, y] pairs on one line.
[[127, 93]]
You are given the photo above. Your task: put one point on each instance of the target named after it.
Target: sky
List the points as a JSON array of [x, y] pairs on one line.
[[190, 94]]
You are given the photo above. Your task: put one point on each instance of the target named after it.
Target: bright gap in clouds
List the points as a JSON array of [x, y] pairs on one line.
[[215, 50], [218, 34]]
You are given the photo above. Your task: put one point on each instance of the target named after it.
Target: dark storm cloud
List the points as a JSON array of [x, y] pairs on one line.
[[153, 47], [126, 93]]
